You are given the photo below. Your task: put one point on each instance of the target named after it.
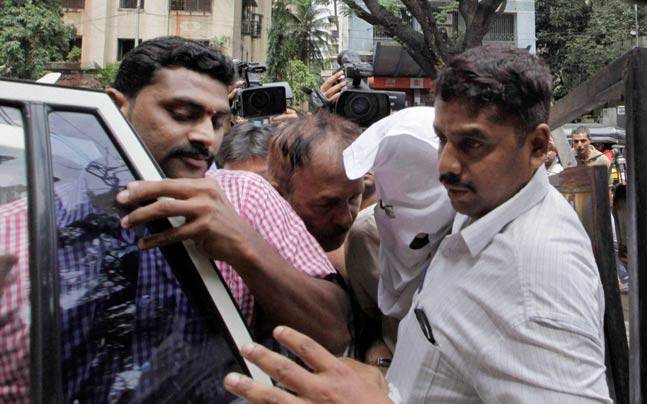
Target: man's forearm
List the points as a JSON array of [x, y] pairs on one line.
[[314, 306]]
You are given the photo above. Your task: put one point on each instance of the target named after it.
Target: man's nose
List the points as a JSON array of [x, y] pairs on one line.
[[345, 216], [203, 132], [448, 161]]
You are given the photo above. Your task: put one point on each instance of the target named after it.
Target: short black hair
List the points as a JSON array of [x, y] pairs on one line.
[[138, 67], [582, 130], [245, 141], [510, 79]]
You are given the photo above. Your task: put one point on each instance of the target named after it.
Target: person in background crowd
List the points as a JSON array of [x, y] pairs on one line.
[[552, 161], [244, 148], [605, 149], [585, 153], [511, 308]]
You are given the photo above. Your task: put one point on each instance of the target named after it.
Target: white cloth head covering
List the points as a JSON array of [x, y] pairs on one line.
[[402, 151]]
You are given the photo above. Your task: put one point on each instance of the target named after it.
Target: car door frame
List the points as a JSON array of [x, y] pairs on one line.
[[35, 101]]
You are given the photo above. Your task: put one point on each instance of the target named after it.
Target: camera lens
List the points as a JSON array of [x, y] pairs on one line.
[[259, 100], [360, 105]]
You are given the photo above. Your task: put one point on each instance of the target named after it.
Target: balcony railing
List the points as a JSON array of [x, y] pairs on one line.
[[253, 26], [191, 5], [501, 29]]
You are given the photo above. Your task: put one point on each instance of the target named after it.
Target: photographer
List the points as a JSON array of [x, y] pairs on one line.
[[347, 94]]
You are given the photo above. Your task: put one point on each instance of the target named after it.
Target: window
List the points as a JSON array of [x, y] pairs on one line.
[[501, 28], [73, 4], [131, 4], [124, 45], [129, 331], [257, 25], [191, 5], [14, 256]]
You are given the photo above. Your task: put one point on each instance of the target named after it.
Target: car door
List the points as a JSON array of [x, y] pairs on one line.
[[96, 318]]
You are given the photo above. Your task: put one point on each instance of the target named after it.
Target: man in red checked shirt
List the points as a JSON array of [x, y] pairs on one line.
[[174, 93]]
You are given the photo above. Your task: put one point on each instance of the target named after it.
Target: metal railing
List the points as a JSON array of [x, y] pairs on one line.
[[191, 5], [501, 29]]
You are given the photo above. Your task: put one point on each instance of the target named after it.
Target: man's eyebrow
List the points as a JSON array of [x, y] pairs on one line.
[[188, 102], [473, 133], [185, 101]]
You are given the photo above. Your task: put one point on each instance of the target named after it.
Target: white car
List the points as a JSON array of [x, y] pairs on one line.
[[86, 316]]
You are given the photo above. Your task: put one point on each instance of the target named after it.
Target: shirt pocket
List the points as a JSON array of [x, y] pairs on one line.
[[415, 362]]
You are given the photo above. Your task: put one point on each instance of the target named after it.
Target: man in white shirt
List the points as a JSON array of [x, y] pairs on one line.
[[511, 307]]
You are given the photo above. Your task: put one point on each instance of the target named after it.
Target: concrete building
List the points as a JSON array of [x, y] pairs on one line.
[[107, 29]]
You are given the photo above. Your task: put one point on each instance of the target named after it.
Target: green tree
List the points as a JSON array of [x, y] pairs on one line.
[[578, 38], [428, 46], [32, 35], [298, 74], [106, 75], [281, 46], [309, 28]]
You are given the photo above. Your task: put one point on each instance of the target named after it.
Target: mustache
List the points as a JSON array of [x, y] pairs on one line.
[[192, 150], [451, 179]]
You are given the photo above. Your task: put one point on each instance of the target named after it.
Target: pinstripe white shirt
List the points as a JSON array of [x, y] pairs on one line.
[[515, 308]]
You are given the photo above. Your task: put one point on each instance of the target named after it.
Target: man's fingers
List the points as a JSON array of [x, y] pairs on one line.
[[331, 81], [334, 98], [170, 236], [280, 368], [313, 354], [143, 191], [334, 90], [160, 209], [255, 392]]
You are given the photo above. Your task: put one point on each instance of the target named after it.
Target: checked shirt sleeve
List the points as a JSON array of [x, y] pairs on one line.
[[273, 218]]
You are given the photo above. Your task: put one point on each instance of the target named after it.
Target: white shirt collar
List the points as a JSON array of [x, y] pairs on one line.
[[479, 234]]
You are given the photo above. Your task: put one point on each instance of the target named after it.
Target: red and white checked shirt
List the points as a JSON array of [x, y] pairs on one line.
[[254, 199]]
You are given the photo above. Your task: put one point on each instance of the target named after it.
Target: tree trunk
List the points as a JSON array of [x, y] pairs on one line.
[[428, 48]]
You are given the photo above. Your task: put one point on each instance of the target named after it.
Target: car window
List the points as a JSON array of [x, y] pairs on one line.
[[129, 331], [14, 259]]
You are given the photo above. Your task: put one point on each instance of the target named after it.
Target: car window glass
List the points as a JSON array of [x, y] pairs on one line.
[[14, 259], [129, 333]]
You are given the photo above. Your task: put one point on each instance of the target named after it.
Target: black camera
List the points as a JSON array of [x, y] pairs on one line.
[[256, 100], [358, 103], [353, 67]]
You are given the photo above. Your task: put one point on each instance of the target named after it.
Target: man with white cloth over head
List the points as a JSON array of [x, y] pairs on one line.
[[413, 212]]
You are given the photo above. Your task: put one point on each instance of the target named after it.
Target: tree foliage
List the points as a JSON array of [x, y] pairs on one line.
[[281, 45], [429, 46], [32, 34], [577, 38], [298, 74], [310, 21]]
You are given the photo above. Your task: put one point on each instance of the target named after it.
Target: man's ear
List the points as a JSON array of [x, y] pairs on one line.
[[538, 140], [120, 99]]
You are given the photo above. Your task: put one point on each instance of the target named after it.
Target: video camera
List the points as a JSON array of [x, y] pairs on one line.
[[256, 100], [358, 103]]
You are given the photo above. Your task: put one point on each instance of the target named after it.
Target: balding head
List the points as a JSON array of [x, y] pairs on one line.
[[306, 166]]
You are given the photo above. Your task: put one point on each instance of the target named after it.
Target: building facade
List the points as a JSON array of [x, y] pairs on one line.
[[395, 70], [107, 29], [515, 26]]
